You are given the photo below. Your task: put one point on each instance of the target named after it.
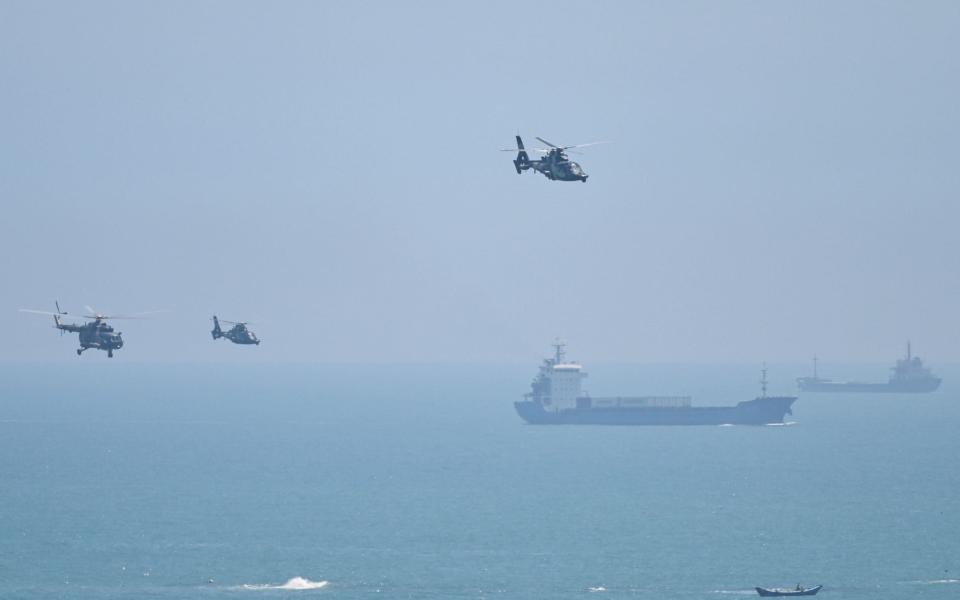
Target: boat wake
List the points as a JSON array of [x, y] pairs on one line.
[[784, 424], [736, 592], [296, 583], [598, 588], [936, 581]]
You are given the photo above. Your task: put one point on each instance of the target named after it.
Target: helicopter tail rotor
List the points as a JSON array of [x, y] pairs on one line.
[[217, 332], [56, 317]]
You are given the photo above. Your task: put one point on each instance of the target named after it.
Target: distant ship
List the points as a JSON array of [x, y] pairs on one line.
[[909, 376], [555, 398], [797, 591]]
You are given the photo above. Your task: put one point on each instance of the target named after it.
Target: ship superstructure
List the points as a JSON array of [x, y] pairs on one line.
[[556, 397], [908, 376]]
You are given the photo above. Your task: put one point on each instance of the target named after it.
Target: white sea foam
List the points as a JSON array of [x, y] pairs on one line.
[[937, 581], [296, 583], [599, 588], [784, 424]]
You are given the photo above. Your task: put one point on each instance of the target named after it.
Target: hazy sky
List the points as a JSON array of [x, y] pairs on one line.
[[784, 178]]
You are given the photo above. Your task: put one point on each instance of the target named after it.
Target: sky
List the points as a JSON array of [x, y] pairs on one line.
[[782, 179]]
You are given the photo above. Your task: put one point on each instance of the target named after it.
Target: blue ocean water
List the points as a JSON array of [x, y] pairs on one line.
[[393, 481]]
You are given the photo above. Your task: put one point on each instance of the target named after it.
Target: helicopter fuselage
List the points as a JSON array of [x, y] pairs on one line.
[[241, 335], [556, 166], [97, 335]]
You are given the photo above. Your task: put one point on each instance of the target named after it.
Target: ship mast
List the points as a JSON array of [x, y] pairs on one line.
[[815, 366], [763, 381], [908, 350], [558, 347]]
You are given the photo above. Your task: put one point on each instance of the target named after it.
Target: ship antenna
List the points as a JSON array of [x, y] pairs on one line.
[[763, 381], [559, 346]]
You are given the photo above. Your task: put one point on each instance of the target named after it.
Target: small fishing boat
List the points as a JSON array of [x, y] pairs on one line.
[[797, 591]]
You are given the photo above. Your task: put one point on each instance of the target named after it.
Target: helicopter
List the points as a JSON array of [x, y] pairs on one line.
[[97, 335], [555, 165], [238, 334]]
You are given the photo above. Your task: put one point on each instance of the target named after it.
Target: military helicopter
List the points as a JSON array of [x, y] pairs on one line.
[[97, 335], [555, 164], [238, 334]]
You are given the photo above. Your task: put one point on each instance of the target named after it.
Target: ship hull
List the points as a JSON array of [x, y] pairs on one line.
[[761, 411], [893, 387], [788, 592]]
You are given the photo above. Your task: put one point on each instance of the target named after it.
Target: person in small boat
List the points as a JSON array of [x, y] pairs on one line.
[[799, 589]]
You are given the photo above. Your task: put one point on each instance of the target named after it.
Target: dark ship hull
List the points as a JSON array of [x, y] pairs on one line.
[[918, 386], [761, 411], [788, 592]]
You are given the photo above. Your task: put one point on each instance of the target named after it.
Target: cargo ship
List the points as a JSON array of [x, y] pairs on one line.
[[556, 398], [908, 376]]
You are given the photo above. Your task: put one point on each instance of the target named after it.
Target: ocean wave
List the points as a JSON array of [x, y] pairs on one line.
[[295, 583]]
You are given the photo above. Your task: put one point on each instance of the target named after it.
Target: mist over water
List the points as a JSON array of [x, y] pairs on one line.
[[420, 481]]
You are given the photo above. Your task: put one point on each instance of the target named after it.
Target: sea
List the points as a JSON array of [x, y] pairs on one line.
[[249, 482]]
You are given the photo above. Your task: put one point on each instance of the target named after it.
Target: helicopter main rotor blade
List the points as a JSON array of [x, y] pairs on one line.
[[44, 312], [148, 312], [540, 150], [572, 146], [139, 315], [585, 145], [110, 317], [547, 143]]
